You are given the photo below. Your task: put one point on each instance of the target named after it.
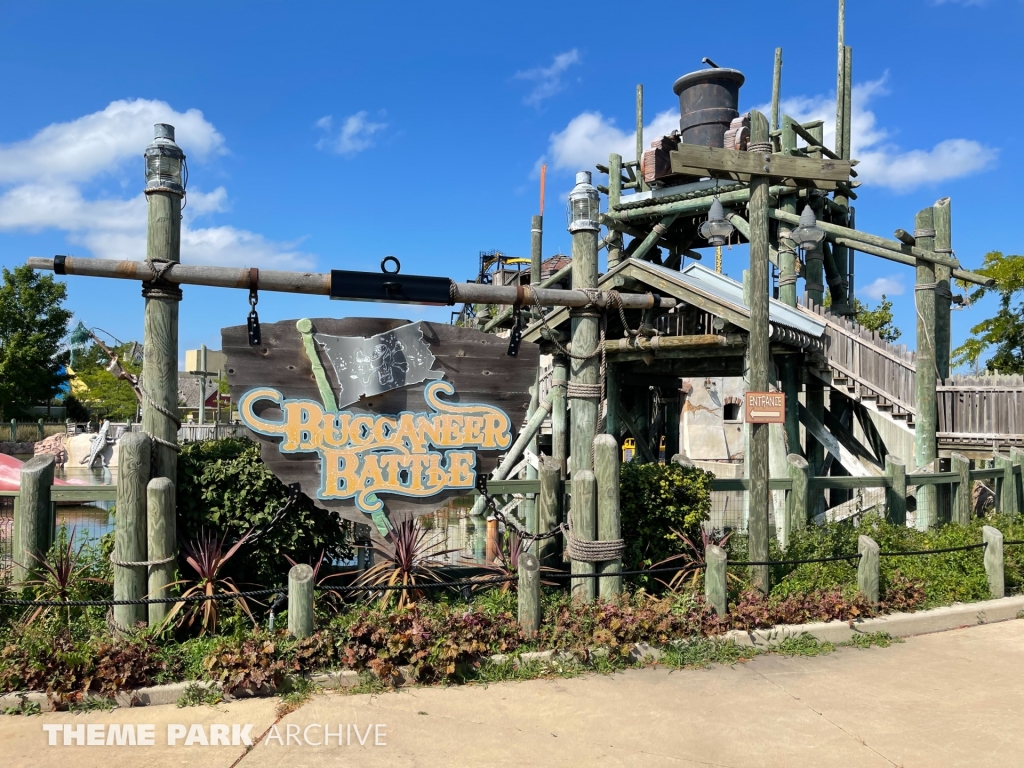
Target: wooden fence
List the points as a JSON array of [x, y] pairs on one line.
[[981, 410]]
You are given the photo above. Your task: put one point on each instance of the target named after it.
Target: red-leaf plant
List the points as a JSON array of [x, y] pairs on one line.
[[413, 561], [60, 576]]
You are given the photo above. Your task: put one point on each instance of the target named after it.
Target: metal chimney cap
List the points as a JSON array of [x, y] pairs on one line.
[[163, 131], [708, 75], [582, 177]]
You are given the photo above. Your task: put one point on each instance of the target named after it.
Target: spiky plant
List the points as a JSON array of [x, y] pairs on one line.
[[332, 597], [207, 556], [694, 559], [60, 576], [413, 561]]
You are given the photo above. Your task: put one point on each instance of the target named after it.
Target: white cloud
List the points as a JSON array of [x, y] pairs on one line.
[[548, 79], [888, 286], [882, 162], [356, 133], [43, 182], [590, 137]]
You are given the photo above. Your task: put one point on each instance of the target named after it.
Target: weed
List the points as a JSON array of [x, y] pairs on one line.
[[881, 639], [298, 691], [92, 704], [199, 695], [704, 652], [803, 644], [24, 707]]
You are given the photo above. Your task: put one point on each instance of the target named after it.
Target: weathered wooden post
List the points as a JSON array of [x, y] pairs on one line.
[[896, 493], [641, 184], [549, 510], [300, 601], [614, 195], [715, 577], [40, 430], [1005, 486], [993, 539], [583, 510], [867, 568], [529, 593], [160, 498], [536, 266], [560, 413], [963, 507], [493, 550], [164, 193], [130, 580], [34, 521], [1017, 459], [609, 519], [796, 503], [14, 430], [942, 219], [757, 341], [925, 444]]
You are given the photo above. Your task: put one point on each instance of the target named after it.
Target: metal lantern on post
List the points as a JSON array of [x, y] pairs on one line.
[[717, 229], [165, 161], [583, 211], [808, 234]]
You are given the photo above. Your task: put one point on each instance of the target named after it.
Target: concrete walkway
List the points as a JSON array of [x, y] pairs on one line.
[[948, 699]]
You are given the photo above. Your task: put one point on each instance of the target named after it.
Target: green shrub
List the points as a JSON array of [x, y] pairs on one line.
[[225, 488], [661, 503]]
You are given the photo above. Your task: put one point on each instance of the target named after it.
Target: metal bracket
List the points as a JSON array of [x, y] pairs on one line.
[[253, 320]]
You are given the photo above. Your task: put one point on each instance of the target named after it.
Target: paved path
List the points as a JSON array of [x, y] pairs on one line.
[[949, 699]]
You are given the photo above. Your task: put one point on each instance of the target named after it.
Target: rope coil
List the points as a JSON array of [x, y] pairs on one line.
[[140, 563]]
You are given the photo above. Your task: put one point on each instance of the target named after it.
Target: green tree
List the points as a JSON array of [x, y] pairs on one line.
[[33, 321], [1004, 331], [108, 397], [878, 319]]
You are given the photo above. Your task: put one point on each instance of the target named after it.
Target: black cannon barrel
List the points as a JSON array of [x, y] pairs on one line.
[[708, 101]]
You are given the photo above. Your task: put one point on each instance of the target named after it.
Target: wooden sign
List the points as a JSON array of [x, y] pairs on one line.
[[375, 417], [765, 408], [740, 166]]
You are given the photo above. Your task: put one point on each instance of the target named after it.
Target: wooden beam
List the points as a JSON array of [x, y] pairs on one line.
[[727, 163]]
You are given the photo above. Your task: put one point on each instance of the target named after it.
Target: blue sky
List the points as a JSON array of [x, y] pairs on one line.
[[325, 135]]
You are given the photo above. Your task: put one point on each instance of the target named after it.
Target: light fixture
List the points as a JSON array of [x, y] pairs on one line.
[[583, 209], [808, 234], [164, 161], [717, 228]]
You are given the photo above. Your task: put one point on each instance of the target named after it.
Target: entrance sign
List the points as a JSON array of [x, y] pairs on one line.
[[374, 417], [765, 408]]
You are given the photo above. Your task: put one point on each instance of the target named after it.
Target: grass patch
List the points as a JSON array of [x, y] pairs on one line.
[[803, 645], [705, 652], [92, 704], [299, 691], [24, 707], [200, 695], [879, 639]]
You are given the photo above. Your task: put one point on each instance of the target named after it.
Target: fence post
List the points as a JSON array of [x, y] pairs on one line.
[[1006, 486], [130, 532], [42, 431], [14, 430], [35, 516], [548, 509], [867, 568], [609, 519], [1017, 457], [993, 538], [896, 494], [796, 503], [716, 567], [584, 526], [962, 500], [300, 601], [529, 593], [161, 536]]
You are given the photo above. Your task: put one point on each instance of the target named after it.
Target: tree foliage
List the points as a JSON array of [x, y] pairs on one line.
[[33, 321], [224, 488], [1004, 331], [878, 319], [661, 503], [108, 396]]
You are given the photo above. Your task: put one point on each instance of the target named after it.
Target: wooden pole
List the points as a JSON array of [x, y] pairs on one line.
[[612, 422], [34, 521], [529, 593], [1017, 457], [776, 88], [994, 568], [161, 539], [1006, 486], [585, 364], [796, 502], [942, 216], [896, 494], [549, 510], [300, 601], [202, 385], [641, 184], [609, 520], [584, 526], [560, 413], [963, 507], [131, 582], [715, 576], [614, 181], [759, 352], [867, 568], [841, 81], [925, 421]]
